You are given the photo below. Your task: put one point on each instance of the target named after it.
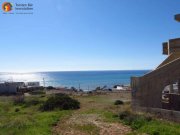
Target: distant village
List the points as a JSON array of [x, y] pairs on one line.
[[24, 87], [17, 87]]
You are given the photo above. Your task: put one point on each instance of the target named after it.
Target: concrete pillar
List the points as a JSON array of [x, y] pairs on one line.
[[165, 48]]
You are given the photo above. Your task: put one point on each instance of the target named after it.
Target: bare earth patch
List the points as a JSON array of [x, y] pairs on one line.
[[91, 123], [71, 126]]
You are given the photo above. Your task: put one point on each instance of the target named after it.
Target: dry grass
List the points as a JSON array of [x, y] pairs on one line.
[[96, 116]]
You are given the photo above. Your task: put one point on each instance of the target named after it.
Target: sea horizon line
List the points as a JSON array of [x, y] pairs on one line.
[[17, 72]]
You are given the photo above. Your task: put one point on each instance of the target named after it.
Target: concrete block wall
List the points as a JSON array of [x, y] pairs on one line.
[[149, 88]]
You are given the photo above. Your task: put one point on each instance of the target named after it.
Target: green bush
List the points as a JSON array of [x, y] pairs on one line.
[[17, 110], [124, 115], [156, 133], [118, 102], [60, 101], [138, 122], [37, 92]]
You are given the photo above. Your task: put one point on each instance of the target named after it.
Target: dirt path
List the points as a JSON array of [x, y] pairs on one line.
[[75, 124], [82, 123]]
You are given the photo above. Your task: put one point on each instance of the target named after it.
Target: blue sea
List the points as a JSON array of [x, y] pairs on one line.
[[87, 80]]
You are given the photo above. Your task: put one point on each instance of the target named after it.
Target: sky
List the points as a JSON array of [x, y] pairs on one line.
[[73, 35]]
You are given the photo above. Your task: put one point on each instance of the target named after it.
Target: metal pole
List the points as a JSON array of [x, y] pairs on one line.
[[79, 86], [44, 82]]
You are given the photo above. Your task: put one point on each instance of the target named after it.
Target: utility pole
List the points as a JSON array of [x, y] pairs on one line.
[[44, 83], [79, 86]]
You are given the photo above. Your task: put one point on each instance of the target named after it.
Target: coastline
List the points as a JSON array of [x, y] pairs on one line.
[[83, 79]]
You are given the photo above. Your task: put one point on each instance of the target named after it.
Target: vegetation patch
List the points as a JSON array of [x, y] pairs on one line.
[[118, 102], [38, 92], [146, 124], [60, 101], [134, 120], [28, 101], [21, 115], [17, 110], [107, 116], [90, 129], [18, 100], [26, 119]]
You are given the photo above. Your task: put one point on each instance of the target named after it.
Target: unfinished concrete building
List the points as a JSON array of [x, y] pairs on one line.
[[160, 89]]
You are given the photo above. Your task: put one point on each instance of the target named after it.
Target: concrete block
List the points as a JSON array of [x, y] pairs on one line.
[[165, 48], [174, 45], [177, 17]]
